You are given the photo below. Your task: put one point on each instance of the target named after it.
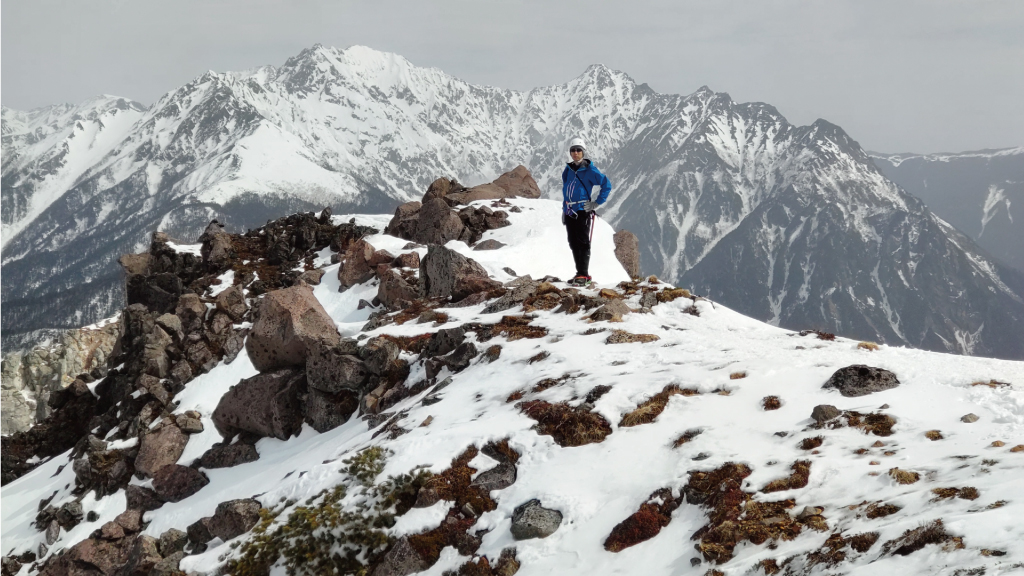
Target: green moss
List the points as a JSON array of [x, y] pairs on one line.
[[323, 537]]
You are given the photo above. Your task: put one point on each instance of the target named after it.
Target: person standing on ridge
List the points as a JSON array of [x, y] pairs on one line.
[[579, 179]]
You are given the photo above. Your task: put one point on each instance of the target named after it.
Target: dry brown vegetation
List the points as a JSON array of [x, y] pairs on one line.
[[546, 301], [686, 437], [507, 565], [904, 476], [812, 443], [991, 384], [568, 425], [670, 294], [737, 375], [934, 435], [834, 550], [828, 336], [869, 346], [411, 344], [771, 403], [875, 423], [965, 493], [917, 538], [648, 410], [879, 510], [623, 337], [734, 516], [1017, 448], [798, 479], [514, 328], [645, 523]]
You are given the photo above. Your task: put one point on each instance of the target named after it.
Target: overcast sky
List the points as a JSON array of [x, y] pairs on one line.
[[898, 75]]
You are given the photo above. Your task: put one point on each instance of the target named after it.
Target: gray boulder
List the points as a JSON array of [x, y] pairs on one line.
[[394, 292], [824, 413], [174, 483], [267, 404], [325, 410], [232, 302], [356, 265], [287, 323], [441, 269], [489, 244], [531, 520], [860, 380], [437, 223], [401, 560], [228, 455], [171, 541], [331, 368], [403, 224], [378, 354], [234, 518]]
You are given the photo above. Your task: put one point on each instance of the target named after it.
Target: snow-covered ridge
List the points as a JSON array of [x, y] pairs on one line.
[[897, 159], [729, 362]]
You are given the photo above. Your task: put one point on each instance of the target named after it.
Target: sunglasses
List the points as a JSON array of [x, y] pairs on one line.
[[575, 149]]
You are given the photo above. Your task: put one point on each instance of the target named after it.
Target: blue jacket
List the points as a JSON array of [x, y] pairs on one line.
[[577, 186]]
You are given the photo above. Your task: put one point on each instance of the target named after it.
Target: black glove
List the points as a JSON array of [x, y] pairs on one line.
[[589, 206]]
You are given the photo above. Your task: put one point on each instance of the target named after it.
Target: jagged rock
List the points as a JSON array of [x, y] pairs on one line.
[[498, 478], [441, 269], [142, 498], [460, 358], [466, 286], [356, 267], [444, 341], [153, 386], [331, 368], [969, 418], [143, 557], [189, 422], [174, 483], [136, 263], [191, 310], [531, 520], [159, 448], [394, 292], [200, 356], [228, 455], [378, 354], [649, 299], [52, 532], [325, 410], [521, 289], [232, 303], [860, 380], [267, 404], [157, 292], [106, 557], [407, 260], [437, 223], [70, 515], [130, 520], [627, 252], [234, 517], [105, 471], [172, 325], [471, 300], [30, 378], [169, 565], [518, 182], [216, 243], [199, 531], [489, 244], [400, 560], [171, 541], [440, 188], [287, 323], [403, 224], [312, 277], [613, 311], [824, 413]]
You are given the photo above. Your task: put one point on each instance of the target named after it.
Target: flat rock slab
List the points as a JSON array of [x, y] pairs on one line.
[[861, 380], [174, 483], [160, 448]]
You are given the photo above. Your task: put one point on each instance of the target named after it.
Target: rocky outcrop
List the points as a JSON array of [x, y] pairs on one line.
[[627, 252], [160, 447], [28, 378], [288, 322], [442, 269]]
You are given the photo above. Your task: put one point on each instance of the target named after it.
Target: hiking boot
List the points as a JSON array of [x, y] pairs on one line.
[[580, 280]]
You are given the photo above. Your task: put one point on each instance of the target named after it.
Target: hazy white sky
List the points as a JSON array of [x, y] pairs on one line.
[[898, 75]]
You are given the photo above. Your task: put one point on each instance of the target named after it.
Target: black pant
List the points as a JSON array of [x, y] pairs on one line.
[[577, 227]]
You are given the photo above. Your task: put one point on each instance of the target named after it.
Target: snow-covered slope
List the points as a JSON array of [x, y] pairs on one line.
[[978, 192], [695, 178], [729, 363]]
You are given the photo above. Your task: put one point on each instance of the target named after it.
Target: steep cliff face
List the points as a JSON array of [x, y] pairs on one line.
[[30, 377]]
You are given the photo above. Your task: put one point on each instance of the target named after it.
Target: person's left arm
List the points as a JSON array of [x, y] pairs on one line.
[[606, 188]]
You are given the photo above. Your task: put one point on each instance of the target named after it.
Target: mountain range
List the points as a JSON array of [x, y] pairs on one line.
[[794, 225]]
